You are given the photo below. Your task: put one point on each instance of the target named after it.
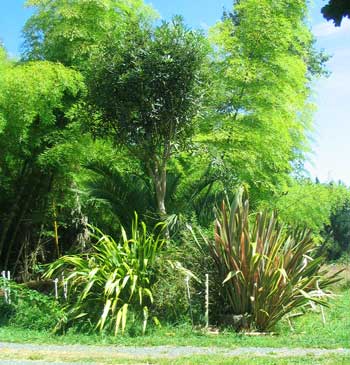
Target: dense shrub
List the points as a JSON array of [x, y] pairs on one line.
[[171, 301], [29, 309], [337, 234]]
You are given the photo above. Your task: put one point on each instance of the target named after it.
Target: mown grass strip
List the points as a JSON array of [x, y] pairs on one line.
[[111, 359]]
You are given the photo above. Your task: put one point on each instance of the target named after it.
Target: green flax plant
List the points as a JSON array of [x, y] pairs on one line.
[[267, 270], [113, 278]]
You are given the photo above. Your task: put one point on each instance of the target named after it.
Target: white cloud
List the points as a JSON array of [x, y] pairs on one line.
[[205, 26], [327, 29]]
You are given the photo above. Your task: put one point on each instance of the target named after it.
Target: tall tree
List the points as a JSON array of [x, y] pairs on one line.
[[147, 91], [37, 108], [336, 10], [264, 58]]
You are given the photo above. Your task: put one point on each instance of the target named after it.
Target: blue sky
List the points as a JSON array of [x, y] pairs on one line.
[[331, 138]]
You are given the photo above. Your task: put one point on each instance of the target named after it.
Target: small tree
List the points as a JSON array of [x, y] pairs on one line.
[[147, 92]]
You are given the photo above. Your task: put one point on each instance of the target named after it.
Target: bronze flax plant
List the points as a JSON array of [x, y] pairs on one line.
[[267, 271]]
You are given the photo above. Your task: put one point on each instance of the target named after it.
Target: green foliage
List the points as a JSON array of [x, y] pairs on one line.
[[113, 187], [147, 92], [154, 78], [336, 10], [36, 100], [171, 302], [336, 234], [311, 205], [39, 133], [175, 130], [119, 188], [113, 278], [68, 31], [29, 309], [260, 111], [266, 271], [309, 332]]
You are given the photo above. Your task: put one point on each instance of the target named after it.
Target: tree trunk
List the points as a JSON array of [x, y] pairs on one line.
[[11, 216], [157, 172], [24, 210], [14, 208], [159, 176], [160, 185]]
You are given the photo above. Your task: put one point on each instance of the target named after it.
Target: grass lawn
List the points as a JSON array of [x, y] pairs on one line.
[[309, 331]]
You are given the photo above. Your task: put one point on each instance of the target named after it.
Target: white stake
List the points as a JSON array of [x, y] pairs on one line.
[[3, 273], [9, 289], [323, 316], [65, 288], [207, 301], [56, 288]]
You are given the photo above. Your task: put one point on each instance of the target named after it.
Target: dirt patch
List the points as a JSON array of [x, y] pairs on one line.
[[344, 275], [90, 354]]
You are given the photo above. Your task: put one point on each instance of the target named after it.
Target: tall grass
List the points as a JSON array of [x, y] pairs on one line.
[[113, 278]]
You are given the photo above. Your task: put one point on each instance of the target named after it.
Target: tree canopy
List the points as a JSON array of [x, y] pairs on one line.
[[37, 108], [68, 31], [336, 10], [261, 120]]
